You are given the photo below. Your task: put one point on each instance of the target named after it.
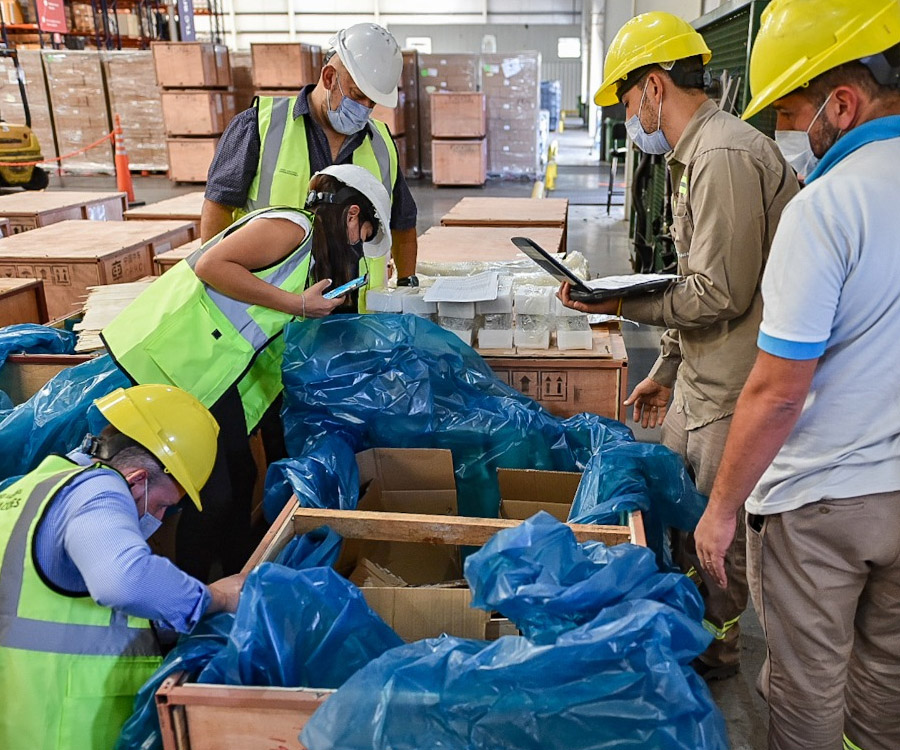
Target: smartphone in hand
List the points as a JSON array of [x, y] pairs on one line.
[[345, 288]]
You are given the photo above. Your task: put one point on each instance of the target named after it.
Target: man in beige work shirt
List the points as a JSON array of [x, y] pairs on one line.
[[730, 185]]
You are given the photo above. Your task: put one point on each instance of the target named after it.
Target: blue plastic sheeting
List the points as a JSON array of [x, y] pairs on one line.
[[325, 476], [402, 382], [317, 549], [29, 338], [5, 402], [193, 652], [608, 668], [306, 628], [55, 419]]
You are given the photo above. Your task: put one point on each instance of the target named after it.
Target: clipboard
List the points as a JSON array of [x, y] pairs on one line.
[[581, 290]]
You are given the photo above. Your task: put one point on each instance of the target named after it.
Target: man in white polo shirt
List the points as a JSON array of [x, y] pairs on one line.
[[814, 447]]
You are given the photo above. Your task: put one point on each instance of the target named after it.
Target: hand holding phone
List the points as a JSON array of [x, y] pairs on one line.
[[343, 289]]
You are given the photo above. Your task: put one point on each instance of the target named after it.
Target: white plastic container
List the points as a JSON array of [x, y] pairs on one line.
[[456, 309], [495, 339], [384, 300]]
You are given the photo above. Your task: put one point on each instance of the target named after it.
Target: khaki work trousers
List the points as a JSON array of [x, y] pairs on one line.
[[701, 449], [825, 580]]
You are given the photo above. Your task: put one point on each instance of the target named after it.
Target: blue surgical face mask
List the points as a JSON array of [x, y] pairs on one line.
[[350, 116], [148, 523], [649, 143]]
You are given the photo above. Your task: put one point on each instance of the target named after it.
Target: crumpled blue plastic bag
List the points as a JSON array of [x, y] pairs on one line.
[[317, 549], [608, 668], [193, 652], [306, 628], [5, 402], [30, 338], [324, 476], [56, 418], [402, 382]]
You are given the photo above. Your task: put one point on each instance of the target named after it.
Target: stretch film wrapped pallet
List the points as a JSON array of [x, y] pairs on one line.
[[11, 108], [133, 95], [512, 83], [78, 104]]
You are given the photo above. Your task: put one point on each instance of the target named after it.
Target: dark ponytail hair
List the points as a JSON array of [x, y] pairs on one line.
[[331, 250]]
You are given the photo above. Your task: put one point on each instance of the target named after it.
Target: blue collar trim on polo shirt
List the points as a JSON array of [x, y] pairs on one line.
[[880, 129]]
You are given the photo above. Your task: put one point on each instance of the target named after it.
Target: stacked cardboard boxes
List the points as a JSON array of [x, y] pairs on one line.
[[133, 95], [197, 103], [458, 146], [512, 83], [282, 69], [75, 82], [11, 109], [454, 73]]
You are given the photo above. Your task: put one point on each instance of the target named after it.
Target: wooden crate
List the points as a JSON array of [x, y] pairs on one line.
[[458, 115], [186, 207], [285, 65], [5, 229], [164, 261], [197, 112], [72, 255], [189, 158], [508, 212], [191, 65], [23, 375], [459, 162], [566, 383], [197, 716], [464, 244], [22, 301], [394, 118], [30, 210]]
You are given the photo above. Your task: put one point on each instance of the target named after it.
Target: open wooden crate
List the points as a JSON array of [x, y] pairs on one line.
[[214, 717]]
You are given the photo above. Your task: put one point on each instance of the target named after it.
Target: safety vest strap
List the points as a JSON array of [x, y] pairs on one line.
[[115, 639]]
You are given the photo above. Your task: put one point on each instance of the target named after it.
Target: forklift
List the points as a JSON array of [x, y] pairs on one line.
[[18, 143]]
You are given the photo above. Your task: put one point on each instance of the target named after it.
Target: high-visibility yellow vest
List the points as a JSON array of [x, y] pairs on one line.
[[283, 173], [182, 332], [69, 668]]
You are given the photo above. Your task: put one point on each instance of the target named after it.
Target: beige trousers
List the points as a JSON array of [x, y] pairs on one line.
[[825, 580], [701, 449]]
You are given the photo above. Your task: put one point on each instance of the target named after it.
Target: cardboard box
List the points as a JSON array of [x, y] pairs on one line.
[[394, 118], [459, 162], [288, 65], [201, 112], [524, 492], [189, 158], [191, 65], [458, 115]]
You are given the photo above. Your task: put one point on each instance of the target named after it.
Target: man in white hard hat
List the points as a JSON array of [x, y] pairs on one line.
[[269, 152]]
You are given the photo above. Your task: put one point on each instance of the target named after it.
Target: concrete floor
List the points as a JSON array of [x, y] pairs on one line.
[[604, 241]]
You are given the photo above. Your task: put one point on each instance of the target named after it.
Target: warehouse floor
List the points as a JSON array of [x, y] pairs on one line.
[[604, 241]]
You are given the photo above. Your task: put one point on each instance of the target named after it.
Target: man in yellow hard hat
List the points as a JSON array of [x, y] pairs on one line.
[[730, 186], [81, 595], [814, 449]]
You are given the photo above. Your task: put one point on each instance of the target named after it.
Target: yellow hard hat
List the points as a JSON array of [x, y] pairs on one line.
[[801, 39], [656, 37], [171, 424]]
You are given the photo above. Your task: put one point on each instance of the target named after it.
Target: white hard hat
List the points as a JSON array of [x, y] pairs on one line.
[[361, 179], [373, 59]]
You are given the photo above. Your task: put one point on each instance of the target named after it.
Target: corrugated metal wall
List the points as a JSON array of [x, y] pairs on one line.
[[568, 73]]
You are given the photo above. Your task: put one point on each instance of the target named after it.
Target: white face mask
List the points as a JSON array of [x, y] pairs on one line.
[[148, 524], [649, 143], [797, 148]]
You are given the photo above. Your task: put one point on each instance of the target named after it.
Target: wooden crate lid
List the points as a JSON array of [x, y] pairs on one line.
[[187, 206], [508, 212], [178, 253], [486, 244], [15, 285], [79, 239], [29, 203]]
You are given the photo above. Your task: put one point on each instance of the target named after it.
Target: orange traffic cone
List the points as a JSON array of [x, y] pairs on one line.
[[123, 171]]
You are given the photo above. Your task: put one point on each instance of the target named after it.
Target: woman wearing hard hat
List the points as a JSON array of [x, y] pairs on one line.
[[78, 583], [212, 325]]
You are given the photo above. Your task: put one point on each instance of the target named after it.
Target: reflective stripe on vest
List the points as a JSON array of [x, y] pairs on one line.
[[283, 173], [720, 633], [183, 332]]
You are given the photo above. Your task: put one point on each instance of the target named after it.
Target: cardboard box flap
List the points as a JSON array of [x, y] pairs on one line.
[[538, 486], [408, 468], [416, 613]]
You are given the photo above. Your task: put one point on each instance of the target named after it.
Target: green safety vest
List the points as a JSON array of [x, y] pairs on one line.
[[282, 176], [182, 332], [69, 668]]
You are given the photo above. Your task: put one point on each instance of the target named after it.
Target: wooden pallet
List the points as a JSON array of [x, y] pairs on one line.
[[30, 210], [72, 255], [486, 244], [185, 207], [22, 301]]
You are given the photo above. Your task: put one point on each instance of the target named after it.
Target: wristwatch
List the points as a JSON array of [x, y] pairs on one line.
[[408, 281]]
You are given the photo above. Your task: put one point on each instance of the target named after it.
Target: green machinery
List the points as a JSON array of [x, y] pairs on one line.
[[729, 32]]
